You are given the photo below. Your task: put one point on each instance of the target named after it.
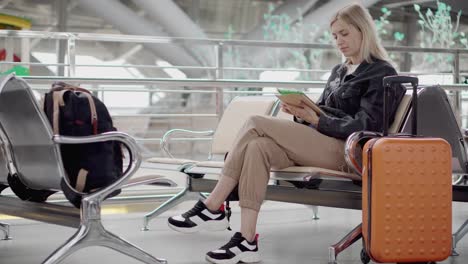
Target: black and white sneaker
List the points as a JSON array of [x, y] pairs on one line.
[[199, 218], [238, 249]]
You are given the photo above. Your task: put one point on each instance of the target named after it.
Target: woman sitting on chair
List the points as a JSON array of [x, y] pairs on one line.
[[352, 101]]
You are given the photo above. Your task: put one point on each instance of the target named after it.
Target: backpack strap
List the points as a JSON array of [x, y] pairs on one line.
[[58, 101], [81, 180], [92, 106]]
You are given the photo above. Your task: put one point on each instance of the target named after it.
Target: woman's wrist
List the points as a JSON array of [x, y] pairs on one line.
[[298, 119]]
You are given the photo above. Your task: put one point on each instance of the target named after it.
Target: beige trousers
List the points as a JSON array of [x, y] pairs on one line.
[[268, 142]]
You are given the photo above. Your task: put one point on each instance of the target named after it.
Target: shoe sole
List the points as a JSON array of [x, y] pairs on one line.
[[219, 225], [245, 257]]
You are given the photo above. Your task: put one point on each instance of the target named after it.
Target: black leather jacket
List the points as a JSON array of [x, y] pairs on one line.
[[355, 102]]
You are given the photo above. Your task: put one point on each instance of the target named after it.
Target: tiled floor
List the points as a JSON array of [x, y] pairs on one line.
[[287, 235]]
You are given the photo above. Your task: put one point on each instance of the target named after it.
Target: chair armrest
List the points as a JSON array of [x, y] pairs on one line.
[[165, 138], [130, 144], [353, 150]]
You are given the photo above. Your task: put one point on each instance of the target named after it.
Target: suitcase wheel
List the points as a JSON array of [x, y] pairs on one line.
[[365, 258]]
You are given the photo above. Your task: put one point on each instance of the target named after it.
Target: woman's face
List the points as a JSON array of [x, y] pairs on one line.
[[348, 39]]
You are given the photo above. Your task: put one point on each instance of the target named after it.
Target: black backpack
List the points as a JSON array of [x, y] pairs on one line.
[[92, 166]]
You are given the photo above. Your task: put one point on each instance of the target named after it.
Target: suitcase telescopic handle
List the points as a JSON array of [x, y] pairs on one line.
[[392, 81], [399, 79]]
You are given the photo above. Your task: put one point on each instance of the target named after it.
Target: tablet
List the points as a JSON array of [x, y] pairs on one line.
[[295, 98]]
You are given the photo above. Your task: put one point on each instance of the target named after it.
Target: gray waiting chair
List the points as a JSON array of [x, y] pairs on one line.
[[33, 155]]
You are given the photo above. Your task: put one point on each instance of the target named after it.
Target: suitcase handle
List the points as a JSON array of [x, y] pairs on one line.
[[399, 79], [394, 80]]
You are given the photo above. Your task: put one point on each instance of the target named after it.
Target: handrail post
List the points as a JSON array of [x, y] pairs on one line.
[[71, 45], [62, 19], [219, 75], [457, 94], [9, 49], [25, 52], [219, 48]]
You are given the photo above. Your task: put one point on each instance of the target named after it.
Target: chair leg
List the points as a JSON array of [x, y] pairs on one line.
[[344, 243], [461, 232], [315, 212], [77, 241], [92, 233], [182, 196], [5, 228]]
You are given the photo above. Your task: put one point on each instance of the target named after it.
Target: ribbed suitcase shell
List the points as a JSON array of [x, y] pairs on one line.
[[407, 199]]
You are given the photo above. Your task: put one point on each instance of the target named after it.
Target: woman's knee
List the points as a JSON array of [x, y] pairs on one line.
[[257, 120], [258, 145]]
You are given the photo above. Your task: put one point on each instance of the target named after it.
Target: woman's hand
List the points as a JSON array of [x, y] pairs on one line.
[[303, 111]]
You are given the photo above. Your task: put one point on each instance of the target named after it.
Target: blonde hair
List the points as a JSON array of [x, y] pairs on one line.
[[359, 17]]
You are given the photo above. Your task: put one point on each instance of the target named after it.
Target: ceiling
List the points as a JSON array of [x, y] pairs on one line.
[[240, 19], [213, 16]]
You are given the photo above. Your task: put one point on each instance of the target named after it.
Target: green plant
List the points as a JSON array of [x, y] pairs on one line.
[[439, 31], [382, 23], [437, 27], [383, 31]]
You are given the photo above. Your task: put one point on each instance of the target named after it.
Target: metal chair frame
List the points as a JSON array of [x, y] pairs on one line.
[[24, 156]]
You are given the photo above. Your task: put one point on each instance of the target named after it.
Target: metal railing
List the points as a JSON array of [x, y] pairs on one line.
[[212, 81], [218, 46]]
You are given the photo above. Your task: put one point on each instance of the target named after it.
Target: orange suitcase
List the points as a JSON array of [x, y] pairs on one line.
[[406, 194]]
